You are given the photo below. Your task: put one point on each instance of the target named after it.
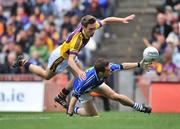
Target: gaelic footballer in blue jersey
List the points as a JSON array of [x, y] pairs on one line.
[[94, 81], [65, 55]]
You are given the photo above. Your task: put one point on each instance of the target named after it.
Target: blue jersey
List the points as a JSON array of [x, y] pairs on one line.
[[92, 81]]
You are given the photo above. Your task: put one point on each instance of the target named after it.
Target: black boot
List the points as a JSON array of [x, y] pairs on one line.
[[146, 109], [18, 62]]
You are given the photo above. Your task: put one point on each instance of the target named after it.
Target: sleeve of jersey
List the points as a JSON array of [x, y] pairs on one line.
[[74, 94], [99, 24], [78, 90], [115, 67], [75, 45]]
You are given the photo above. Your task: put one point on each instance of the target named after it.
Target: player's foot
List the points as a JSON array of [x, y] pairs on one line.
[[19, 61], [146, 109], [61, 100]]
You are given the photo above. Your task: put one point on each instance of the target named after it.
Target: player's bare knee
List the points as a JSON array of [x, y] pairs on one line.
[[47, 77], [114, 96]]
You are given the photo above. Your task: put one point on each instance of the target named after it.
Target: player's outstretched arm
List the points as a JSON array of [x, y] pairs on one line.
[[127, 66], [143, 64], [71, 106], [110, 20]]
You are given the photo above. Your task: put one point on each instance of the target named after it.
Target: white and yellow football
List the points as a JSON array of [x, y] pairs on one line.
[[150, 54]]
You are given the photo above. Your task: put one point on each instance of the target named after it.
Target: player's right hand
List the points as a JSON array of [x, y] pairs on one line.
[[82, 75], [145, 65]]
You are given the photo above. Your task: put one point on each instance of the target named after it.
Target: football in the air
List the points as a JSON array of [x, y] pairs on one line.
[[150, 54]]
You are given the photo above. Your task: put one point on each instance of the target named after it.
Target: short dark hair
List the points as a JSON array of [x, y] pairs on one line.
[[100, 65], [88, 19]]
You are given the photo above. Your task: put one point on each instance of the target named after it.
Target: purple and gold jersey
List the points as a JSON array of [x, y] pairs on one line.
[[92, 81], [75, 41]]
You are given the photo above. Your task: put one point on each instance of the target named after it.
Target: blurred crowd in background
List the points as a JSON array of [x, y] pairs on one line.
[[35, 27], [166, 38]]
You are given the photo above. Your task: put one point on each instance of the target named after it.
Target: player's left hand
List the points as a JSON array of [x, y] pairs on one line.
[[145, 65], [70, 114], [128, 18]]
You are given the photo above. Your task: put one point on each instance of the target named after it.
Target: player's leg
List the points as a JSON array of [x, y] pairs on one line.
[[54, 62], [22, 62], [46, 74], [108, 92], [105, 90], [88, 109], [61, 97]]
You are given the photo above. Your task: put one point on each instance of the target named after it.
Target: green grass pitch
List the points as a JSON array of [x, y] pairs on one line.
[[107, 120]]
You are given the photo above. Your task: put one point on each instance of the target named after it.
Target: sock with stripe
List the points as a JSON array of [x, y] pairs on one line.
[[76, 109], [137, 107]]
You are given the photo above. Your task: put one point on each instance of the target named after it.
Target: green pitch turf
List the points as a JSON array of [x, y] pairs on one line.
[[108, 120]]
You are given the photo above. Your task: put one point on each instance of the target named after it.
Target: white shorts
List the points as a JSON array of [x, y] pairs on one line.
[[54, 56], [84, 98]]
